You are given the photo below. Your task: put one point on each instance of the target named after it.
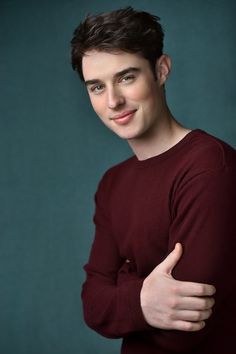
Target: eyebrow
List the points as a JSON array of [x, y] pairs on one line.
[[118, 74]]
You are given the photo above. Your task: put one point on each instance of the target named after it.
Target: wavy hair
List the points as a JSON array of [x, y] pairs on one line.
[[124, 29]]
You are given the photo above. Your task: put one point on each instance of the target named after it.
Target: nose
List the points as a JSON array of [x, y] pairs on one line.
[[114, 98]]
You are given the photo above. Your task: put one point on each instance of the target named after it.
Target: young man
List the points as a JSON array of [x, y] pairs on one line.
[[177, 190]]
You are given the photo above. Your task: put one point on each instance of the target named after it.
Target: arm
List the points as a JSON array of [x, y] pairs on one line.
[[170, 304], [204, 222], [111, 305], [111, 293]]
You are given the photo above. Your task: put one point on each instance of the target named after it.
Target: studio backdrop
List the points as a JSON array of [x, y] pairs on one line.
[[54, 150]]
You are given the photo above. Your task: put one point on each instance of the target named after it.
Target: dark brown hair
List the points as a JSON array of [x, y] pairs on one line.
[[124, 29]]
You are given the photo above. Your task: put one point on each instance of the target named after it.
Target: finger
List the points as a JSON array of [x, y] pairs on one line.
[[195, 303], [195, 289], [189, 326], [193, 316], [171, 260]]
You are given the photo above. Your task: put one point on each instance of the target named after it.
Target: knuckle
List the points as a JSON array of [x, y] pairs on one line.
[[188, 326], [194, 326], [173, 303], [175, 289], [203, 304], [202, 315], [208, 313], [206, 304], [170, 317], [198, 316], [201, 290]]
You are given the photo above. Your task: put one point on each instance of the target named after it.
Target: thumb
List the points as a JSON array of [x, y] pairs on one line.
[[171, 260]]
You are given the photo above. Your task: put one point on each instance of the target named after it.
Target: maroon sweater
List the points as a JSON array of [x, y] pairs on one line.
[[187, 194]]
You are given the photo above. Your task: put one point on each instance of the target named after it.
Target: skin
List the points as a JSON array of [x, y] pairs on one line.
[[171, 304], [131, 102], [152, 129]]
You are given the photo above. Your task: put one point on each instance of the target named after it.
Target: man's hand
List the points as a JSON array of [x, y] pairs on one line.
[[171, 304]]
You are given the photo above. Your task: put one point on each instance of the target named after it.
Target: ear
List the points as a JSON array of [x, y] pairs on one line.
[[163, 67]]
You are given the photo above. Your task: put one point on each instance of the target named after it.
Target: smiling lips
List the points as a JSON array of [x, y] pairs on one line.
[[124, 118]]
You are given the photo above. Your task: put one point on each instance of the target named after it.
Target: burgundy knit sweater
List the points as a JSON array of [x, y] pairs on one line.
[[186, 194]]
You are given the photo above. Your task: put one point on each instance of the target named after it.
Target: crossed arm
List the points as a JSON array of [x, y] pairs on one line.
[[171, 304], [116, 307], [159, 301]]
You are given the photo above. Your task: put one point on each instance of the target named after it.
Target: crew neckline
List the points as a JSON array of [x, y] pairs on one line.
[[166, 154]]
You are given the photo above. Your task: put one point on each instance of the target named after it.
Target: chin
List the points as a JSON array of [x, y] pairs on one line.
[[128, 132], [126, 135]]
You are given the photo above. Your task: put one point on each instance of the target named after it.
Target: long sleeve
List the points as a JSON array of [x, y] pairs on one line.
[[111, 292], [187, 195], [204, 210]]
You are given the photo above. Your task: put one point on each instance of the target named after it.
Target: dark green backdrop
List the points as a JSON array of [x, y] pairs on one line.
[[53, 151]]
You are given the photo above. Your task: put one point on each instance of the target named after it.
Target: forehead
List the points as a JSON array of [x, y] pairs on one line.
[[104, 65]]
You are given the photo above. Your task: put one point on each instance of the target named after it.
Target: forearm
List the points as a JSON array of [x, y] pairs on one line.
[[113, 308], [205, 225]]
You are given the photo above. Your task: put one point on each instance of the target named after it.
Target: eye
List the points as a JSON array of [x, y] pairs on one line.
[[96, 89], [127, 78]]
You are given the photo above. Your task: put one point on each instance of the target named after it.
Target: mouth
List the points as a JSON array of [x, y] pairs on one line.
[[124, 117]]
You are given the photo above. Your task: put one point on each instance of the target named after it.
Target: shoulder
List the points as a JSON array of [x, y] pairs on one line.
[[205, 172], [206, 152], [115, 173]]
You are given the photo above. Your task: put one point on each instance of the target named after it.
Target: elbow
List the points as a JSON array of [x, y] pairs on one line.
[[101, 327]]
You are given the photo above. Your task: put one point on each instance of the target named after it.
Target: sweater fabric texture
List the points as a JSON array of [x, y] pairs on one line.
[[143, 208]]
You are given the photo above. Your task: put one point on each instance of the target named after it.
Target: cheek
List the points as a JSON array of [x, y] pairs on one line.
[[99, 108], [96, 104], [141, 93]]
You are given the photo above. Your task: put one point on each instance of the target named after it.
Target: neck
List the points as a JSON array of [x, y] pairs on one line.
[[167, 133]]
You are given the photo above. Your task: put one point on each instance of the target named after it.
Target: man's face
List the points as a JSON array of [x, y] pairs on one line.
[[124, 92]]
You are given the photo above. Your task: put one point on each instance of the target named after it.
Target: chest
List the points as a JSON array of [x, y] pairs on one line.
[[140, 218]]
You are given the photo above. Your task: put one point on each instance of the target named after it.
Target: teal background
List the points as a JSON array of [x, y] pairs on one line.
[[53, 151]]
